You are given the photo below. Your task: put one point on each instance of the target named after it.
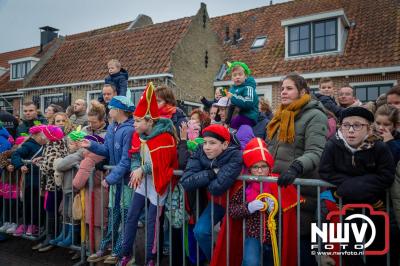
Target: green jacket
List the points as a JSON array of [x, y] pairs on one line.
[[311, 126]]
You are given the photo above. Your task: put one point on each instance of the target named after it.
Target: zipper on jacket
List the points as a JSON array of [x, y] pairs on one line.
[[353, 162]]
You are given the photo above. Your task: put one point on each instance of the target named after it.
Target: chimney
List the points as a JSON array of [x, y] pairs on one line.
[[47, 34]]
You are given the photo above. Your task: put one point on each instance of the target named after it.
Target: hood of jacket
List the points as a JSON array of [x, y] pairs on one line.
[[163, 125]]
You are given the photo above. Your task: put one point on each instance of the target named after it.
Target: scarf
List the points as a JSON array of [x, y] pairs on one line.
[[284, 120], [167, 111]]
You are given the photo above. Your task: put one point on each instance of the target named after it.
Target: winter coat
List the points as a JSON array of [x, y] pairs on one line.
[[115, 149], [259, 129], [119, 80], [245, 97], [177, 118], [310, 138], [51, 151], [207, 104], [9, 122], [239, 210], [25, 125], [100, 132], [330, 104], [218, 174], [359, 177], [394, 146], [395, 194], [5, 144], [80, 119], [81, 180], [29, 150]]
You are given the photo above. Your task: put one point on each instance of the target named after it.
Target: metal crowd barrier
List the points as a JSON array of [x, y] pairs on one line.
[[87, 248]]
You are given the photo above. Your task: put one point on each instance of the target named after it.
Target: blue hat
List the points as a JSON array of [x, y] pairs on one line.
[[122, 103]]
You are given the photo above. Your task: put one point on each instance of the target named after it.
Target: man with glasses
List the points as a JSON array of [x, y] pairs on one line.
[[362, 169]]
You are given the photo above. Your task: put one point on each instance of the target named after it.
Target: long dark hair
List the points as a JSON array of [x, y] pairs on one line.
[[298, 80]]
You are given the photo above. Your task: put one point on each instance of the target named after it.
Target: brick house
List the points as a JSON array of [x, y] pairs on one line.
[[182, 53], [353, 42]]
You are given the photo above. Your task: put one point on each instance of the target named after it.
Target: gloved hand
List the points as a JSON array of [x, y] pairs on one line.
[[255, 205], [270, 204], [294, 171]]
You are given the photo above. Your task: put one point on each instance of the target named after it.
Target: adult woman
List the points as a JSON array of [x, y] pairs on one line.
[[296, 138], [51, 110]]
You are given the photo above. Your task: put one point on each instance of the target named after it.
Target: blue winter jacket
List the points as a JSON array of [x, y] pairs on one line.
[[218, 175], [5, 144], [245, 97], [29, 150], [119, 80], [115, 149]]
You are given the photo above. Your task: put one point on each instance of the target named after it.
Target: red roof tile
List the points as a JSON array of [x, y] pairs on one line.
[[113, 28], [373, 42], [142, 51], [7, 56], [7, 85]]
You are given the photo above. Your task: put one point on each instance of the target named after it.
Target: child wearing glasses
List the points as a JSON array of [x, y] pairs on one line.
[[361, 167]]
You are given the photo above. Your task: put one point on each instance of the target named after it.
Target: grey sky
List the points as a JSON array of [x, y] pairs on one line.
[[20, 19]]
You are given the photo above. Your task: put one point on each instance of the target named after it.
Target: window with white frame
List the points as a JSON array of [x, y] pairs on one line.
[[266, 92], [259, 42], [93, 95], [371, 92], [19, 68], [46, 100], [315, 34]]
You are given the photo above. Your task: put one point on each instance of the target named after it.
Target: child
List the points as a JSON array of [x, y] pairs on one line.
[[154, 157], [7, 185], [115, 147], [386, 121], [242, 94], [218, 94], [215, 165], [245, 207], [361, 167], [118, 77], [29, 150], [56, 148]]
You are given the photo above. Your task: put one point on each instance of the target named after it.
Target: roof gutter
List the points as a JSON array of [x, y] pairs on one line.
[[316, 75], [161, 75]]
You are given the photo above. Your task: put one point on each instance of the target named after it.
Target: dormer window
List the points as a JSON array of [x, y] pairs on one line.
[[317, 34], [20, 67]]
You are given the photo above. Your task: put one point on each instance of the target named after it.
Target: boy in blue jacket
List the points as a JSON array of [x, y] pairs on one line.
[[216, 164], [118, 77], [115, 149], [243, 94]]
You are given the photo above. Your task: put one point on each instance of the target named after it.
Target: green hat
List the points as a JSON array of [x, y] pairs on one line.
[[238, 63], [192, 144], [77, 135]]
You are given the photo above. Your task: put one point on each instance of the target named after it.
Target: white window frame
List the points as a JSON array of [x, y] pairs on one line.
[[42, 97], [136, 89], [33, 61], [266, 91], [372, 83], [88, 93], [342, 23]]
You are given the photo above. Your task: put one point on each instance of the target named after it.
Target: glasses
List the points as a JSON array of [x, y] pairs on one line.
[[356, 127], [256, 167]]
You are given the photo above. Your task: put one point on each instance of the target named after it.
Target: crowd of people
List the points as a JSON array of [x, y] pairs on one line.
[[328, 135]]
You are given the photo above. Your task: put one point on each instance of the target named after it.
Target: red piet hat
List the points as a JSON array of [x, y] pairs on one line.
[[256, 151], [217, 131], [147, 104]]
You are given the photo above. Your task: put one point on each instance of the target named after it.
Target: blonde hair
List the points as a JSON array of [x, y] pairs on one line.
[[68, 127], [114, 62], [97, 109], [391, 112]]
